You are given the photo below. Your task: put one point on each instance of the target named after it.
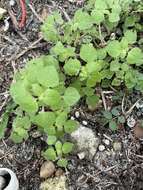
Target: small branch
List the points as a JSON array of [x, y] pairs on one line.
[[103, 100], [100, 35], [32, 46], [35, 13], [108, 92], [5, 102], [123, 100], [65, 14], [131, 109], [127, 113]]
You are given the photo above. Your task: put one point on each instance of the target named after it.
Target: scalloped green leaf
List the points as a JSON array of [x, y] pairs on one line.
[[23, 98], [88, 52], [44, 119], [72, 67], [71, 96], [135, 56]]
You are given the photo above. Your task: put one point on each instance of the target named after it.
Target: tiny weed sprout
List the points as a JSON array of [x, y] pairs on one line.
[[100, 46]]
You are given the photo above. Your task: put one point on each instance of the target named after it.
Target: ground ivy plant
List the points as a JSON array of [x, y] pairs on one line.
[[100, 46]]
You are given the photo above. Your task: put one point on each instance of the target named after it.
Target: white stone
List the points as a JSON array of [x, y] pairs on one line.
[[81, 155], [72, 118], [101, 147], [139, 104], [131, 122], [86, 141], [106, 141], [12, 2], [84, 122], [77, 114]]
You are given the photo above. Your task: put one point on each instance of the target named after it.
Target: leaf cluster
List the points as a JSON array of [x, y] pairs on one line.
[[100, 46]]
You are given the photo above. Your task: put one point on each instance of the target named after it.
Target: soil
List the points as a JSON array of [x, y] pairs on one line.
[[119, 171]]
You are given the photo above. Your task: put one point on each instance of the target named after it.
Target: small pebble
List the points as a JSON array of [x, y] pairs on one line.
[[84, 122], [81, 155], [59, 172], [77, 114], [101, 147], [139, 104], [106, 141], [12, 3], [11, 156], [72, 118], [47, 169], [131, 122], [1, 152], [6, 25], [117, 146], [139, 113], [36, 134]]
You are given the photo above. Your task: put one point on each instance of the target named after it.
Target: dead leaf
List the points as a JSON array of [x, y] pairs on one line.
[[138, 131], [44, 14], [2, 12]]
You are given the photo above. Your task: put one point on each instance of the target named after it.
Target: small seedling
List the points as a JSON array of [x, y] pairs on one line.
[[114, 118]]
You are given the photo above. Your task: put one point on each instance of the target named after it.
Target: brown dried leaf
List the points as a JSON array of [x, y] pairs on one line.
[[138, 131]]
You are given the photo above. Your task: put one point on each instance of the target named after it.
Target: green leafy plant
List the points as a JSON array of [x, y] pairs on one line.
[[44, 104], [100, 46], [114, 118]]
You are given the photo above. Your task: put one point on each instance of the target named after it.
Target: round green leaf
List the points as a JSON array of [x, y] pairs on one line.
[[107, 115], [135, 56], [71, 96], [61, 119], [51, 98], [50, 154], [115, 111], [114, 17], [70, 126], [72, 67], [114, 66], [114, 48], [44, 119], [131, 36], [48, 76], [98, 16], [88, 52], [50, 130], [58, 147], [121, 119], [67, 147], [92, 101], [82, 20], [51, 140], [23, 98], [62, 163], [113, 125]]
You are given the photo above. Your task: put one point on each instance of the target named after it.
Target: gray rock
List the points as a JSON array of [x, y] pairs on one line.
[[86, 141]]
